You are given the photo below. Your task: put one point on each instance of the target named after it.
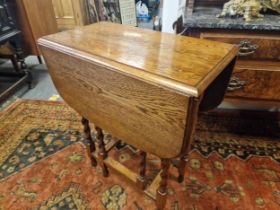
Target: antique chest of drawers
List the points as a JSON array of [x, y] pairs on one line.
[[256, 77]]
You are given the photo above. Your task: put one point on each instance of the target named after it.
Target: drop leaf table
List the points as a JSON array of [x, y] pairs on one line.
[[143, 87]]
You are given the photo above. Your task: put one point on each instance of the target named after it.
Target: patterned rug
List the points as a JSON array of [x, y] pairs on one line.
[[233, 165]]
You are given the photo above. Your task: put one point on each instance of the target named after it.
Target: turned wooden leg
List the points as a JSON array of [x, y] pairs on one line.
[[162, 190], [39, 59], [181, 168], [89, 142], [16, 43], [15, 63], [102, 154], [141, 181]]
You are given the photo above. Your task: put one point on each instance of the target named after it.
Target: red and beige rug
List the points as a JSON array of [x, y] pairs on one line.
[[234, 164]]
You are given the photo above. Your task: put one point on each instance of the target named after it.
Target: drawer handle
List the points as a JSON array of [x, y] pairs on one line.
[[235, 84], [246, 48]]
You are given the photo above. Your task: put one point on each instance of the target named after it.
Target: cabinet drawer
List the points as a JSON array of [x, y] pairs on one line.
[[253, 47], [254, 83]]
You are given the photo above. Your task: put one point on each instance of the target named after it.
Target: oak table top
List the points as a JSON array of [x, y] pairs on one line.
[[144, 87], [184, 64]]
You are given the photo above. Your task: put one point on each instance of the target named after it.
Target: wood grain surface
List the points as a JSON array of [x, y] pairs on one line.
[[268, 45], [260, 70], [183, 64], [149, 117], [262, 80], [143, 87], [35, 19], [69, 13]]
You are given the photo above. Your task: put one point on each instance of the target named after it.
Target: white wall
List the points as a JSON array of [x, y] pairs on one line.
[[172, 9]]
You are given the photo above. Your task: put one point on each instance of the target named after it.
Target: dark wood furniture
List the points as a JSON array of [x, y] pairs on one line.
[[7, 52], [8, 30], [143, 87], [9, 33], [256, 76], [35, 19]]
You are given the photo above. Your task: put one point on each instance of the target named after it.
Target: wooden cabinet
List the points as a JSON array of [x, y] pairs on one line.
[[261, 81], [256, 76], [252, 46], [69, 13], [35, 19]]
